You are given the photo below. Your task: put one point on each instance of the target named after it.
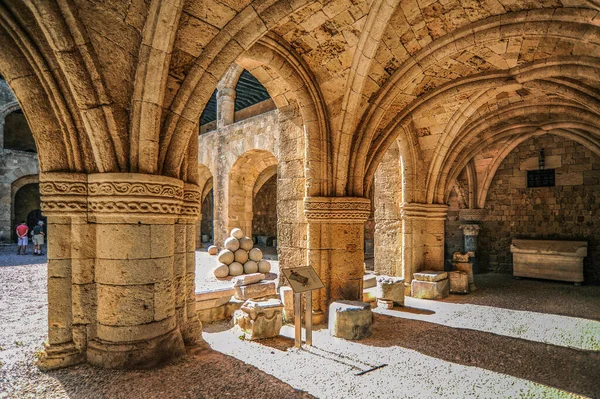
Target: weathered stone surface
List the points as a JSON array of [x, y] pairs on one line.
[[246, 243], [460, 257], [255, 254], [241, 256], [430, 275], [350, 319], [466, 267], [221, 271], [459, 282], [232, 244], [237, 233], [226, 257], [250, 267], [369, 281], [260, 320], [247, 279], [430, 289], [391, 289], [258, 290], [264, 266], [235, 269]]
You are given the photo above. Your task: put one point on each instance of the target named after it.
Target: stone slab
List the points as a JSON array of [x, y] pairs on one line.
[[350, 319], [369, 281], [459, 282], [258, 290], [430, 289], [430, 275], [216, 293], [247, 279]]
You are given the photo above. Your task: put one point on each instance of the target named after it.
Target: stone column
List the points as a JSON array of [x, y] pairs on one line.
[[422, 238], [387, 197], [225, 106], [472, 219], [335, 248], [190, 213], [135, 217], [71, 294]]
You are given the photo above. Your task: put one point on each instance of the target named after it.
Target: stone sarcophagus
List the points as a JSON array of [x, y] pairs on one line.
[[549, 259]]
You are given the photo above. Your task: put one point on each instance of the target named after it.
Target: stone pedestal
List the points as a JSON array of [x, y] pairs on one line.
[[259, 320], [391, 289], [459, 282], [430, 285], [350, 319], [471, 237], [422, 238], [461, 263], [335, 247]]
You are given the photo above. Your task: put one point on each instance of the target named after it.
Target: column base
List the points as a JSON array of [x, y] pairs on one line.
[[136, 355], [59, 356], [192, 333], [318, 317]]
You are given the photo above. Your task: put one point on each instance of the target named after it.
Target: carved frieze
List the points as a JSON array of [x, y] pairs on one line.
[[337, 209]]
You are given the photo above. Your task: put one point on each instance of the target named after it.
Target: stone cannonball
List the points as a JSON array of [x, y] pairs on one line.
[[226, 257], [237, 233], [235, 269], [241, 256], [250, 267], [246, 243], [264, 266], [232, 244], [221, 271], [213, 250], [255, 254]]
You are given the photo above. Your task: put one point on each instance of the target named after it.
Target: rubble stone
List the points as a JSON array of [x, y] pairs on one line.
[[350, 319]]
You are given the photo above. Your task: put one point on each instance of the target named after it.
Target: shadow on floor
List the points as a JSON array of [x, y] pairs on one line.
[[205, 374], [567, 369], [504, 291]]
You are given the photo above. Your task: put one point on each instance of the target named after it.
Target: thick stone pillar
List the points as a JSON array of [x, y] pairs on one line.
[[71, 246], [422, 238], [225, 106], [471, 225], [336, 248], [135, 217]]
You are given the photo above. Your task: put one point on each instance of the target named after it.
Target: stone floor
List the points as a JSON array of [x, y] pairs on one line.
[[511, 338]]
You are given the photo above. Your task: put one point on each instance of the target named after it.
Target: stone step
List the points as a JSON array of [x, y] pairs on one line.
[[369, 281]]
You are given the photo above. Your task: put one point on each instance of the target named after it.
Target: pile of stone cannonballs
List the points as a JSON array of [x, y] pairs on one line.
[[239, 256]]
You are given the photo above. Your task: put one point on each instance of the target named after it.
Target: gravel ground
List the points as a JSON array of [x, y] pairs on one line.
[[426, 353]]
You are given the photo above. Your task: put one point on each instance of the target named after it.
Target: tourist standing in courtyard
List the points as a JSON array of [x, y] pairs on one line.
[[22, 231], [38, 238]]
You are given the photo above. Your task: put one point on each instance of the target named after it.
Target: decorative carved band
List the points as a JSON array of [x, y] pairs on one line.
[[472, 215], [337, 209], [424, 211], [127, 188], [63, 193], [192, 200]]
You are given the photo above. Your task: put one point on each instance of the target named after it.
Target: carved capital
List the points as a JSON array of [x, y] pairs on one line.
[[424, 211], [63, 194], [133, 196], [470, 229], [337, 209]]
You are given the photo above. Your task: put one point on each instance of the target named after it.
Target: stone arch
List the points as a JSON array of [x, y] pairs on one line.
[[20, 208], [238, 35], [243, 176], [373, 135]]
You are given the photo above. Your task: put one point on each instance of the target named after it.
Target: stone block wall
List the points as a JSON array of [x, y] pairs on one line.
[[264, 209], [568, 211]]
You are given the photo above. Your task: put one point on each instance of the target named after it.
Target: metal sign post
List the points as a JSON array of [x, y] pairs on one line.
[[303, 280]]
